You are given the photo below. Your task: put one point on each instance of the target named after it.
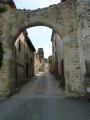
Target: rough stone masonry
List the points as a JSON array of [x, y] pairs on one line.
[[70, 19]]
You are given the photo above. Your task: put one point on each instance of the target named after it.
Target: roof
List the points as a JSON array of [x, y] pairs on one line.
[[29, 43]]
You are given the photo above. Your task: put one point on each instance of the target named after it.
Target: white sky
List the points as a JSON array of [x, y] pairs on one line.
[[40, 36]]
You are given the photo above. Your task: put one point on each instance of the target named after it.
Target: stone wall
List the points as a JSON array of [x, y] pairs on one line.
[[57, 54], [37, 63], [20, 59], [24, 57], [71, 20]]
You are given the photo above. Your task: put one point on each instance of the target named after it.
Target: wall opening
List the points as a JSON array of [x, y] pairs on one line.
[[27, 52]]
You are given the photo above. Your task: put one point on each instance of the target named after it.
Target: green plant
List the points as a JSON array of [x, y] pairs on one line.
[[50, 61], [1, 54]]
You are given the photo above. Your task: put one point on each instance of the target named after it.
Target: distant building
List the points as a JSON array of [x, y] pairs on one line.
[[57, 54], [40, 63], [41, 53], [41, 57], [37, 63], [24, 58]]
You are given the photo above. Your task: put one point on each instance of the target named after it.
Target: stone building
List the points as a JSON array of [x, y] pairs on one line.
[[41, 57], [71, 19], [41, 53], [37, 63], [40, 63], [23, 53], [24, 58], [57, 54]]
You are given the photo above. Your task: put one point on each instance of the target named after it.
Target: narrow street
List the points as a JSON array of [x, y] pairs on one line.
[[42, 99]]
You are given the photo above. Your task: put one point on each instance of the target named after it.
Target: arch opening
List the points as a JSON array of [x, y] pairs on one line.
[[59, 62], [37, 24]]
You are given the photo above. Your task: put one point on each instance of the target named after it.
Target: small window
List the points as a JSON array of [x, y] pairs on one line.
[[19, 46]]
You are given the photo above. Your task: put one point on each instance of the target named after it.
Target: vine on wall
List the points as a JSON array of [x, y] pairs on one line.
[[1, 54]]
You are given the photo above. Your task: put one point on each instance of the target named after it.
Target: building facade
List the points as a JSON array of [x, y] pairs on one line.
[[24, 58], [57, 54], [40, 53], [40, 63], [37, 63], [41, 57]]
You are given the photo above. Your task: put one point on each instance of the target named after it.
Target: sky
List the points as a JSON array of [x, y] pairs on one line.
[[40, 36]]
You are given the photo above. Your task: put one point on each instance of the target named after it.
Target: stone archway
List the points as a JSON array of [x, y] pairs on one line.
[[63, 19]]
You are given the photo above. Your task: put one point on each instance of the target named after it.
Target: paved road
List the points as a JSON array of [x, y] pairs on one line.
[[42, 99]]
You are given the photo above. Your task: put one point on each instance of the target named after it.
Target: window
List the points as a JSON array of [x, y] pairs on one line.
[[19, 46]]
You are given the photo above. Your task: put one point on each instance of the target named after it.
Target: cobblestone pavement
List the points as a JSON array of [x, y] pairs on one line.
[[42, 99]]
